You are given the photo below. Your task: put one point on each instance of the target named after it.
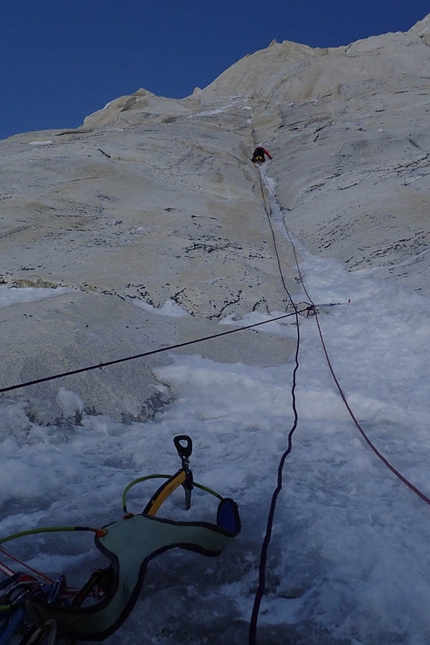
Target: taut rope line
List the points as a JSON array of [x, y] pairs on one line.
[[142, 355]]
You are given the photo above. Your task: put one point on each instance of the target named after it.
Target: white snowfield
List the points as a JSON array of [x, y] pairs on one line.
[[147, 228]]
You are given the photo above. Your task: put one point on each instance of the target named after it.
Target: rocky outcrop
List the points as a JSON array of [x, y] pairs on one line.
[[142, 205], [154, 200]]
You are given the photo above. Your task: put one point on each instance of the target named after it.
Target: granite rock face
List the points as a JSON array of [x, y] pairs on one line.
[[154, 200]]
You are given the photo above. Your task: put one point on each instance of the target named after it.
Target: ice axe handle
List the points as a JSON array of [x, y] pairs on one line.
[[184, 451]]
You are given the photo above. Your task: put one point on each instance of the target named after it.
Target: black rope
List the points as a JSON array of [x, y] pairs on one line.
[[142, 355], [269, 526], [271, 515], [270, 518]]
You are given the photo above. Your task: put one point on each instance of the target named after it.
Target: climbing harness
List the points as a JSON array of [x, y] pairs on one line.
[[43, 611]]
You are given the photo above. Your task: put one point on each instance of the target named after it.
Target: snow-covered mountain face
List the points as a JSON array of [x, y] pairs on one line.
[[155, 201], [148, 227]]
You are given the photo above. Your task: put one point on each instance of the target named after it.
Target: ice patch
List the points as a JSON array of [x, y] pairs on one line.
[[170, 308], [70, 403], [217, 110], [15, 296]]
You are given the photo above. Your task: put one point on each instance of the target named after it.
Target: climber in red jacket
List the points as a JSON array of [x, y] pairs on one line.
[[258, 156]]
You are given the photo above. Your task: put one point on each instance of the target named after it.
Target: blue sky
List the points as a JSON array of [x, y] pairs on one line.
[[62, 60]]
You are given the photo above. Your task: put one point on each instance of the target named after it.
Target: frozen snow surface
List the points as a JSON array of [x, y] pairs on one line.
[[109, 250], [348, 560]]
